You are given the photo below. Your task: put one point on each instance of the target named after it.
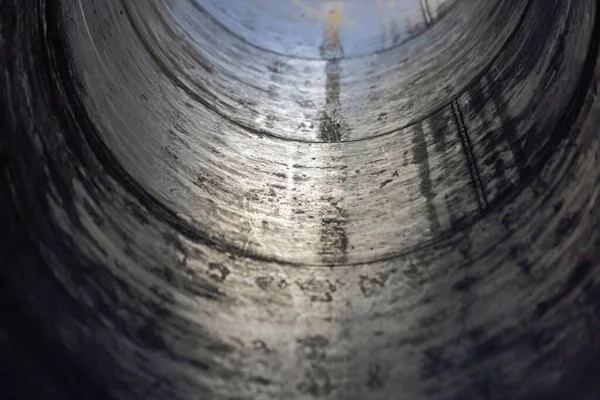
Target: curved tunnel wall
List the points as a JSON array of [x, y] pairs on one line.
[[170, 235]]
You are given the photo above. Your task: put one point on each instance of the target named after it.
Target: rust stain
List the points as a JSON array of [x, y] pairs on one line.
[[333, 125], [331, 33], [334, 17], [330, 12]]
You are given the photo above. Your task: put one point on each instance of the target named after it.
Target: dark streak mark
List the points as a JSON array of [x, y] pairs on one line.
[[319, 167], [198, 364], [493, 142], [378, 172], [395, 33], [370, 286], [375, 379], [385, 183], [334, 239], [261, 380], [376, 161], [465, 284], [577, 276], [439, 126], [567, 225]]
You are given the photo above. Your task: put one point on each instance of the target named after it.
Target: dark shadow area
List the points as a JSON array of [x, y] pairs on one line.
[[190, 214]]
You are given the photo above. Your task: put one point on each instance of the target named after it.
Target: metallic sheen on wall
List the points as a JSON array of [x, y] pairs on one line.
[[299, 199]]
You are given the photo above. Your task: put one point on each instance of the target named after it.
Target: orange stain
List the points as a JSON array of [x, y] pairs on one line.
[[334, 18], [330, 12]]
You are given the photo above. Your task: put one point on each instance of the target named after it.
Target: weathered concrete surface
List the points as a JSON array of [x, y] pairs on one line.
[[188, 216]]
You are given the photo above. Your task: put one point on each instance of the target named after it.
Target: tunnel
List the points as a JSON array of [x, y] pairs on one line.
[[299, 199]]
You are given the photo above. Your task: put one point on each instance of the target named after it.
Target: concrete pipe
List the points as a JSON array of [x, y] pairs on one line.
[[297, 199]]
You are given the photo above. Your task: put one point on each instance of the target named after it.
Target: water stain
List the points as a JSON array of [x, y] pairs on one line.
[[493, 141], [439, 127], [395, 33], [421, 157], [333, 128]]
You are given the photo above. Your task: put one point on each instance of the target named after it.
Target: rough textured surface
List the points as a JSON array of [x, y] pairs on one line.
[[189, 216]]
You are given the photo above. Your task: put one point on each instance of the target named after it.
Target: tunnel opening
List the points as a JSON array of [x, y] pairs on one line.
[[290, 197]]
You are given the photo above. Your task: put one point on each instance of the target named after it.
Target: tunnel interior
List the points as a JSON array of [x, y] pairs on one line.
[[256, 199]]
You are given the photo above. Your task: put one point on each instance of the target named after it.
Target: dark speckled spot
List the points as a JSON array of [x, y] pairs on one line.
[[260, 380], [316, 382], [218, 272], [434, 363], [465, 284], [385, 183], [313, 347], [149, 336], [264, 282], [566, 226], [375, 377]]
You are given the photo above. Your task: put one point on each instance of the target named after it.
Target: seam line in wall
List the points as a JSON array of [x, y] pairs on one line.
[[467, 146]]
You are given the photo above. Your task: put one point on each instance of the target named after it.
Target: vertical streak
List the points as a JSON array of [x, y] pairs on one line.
[[421, 156], [471, 162], [333, 126], [334, 238], [426, 12], [380, 14]]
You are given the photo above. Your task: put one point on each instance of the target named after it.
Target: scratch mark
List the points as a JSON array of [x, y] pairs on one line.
[[426, 12], [471, 162]]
